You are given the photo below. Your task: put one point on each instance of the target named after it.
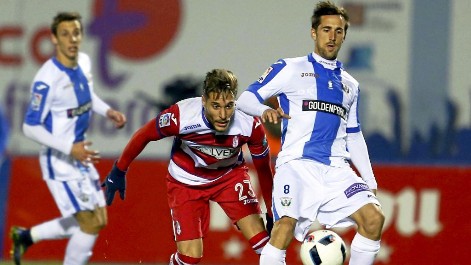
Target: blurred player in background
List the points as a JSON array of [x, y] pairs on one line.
[[58, 116], [206, 164], [320, 133]]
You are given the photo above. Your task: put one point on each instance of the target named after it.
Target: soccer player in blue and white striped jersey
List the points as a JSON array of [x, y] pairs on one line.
[[58, 116], [321, 135]]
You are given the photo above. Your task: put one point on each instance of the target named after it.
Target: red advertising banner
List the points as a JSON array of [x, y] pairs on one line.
[[426, 208]]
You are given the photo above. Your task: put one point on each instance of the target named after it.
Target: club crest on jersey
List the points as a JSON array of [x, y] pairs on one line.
[[286, 201], [164, 120], [235, 141], [267, 72], [84, 197]]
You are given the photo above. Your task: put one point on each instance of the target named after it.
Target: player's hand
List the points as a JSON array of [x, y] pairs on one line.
[[118, 118], [81, 152], [272, 116], [269, 219], [115, 181]]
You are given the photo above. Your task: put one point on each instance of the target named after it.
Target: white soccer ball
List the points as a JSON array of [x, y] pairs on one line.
[[323, 247]]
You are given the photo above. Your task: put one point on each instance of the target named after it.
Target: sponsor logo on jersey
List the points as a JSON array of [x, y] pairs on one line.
[[79, 110], [322, 106], [192, 127], [217, 152], [309, 75], [247, 201], [355, 188], [164, 120], [286, 201], [36, 101], [267, 72]]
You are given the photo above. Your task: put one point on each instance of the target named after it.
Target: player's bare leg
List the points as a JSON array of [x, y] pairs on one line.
[[366, 243], [189, 252], [282, 234], [253, 229], [80, 245]]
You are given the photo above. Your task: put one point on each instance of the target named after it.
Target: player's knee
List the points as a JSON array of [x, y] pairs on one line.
[[373, 225], [285, 225], [92, 226], [100, 225]]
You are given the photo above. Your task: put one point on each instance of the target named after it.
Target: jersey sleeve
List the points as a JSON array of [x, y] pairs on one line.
[[98, 105], [353, 121], [271, 82], [168, 121], [33, 124], [164, 125], [260, 151], [40, 103], [360, 158]]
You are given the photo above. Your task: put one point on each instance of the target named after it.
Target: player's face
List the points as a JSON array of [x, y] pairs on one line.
[[67, 42], [329, 36], [218, 109]]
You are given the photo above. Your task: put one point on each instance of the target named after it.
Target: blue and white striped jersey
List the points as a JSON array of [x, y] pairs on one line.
[[61, 105], [322, 100]]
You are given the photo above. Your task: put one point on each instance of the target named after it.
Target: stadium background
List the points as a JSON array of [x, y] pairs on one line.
[[412, 59]]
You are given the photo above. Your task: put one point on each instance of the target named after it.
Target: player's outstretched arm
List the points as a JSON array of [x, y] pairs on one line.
[[116, 179]]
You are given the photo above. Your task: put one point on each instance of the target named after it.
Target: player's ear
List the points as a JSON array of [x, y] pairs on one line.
[[313, 34], [53, 39]]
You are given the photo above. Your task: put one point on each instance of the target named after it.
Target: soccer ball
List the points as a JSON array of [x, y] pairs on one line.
[[323, 247]]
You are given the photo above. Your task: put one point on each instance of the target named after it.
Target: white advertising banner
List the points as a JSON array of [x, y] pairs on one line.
[[145, 52]]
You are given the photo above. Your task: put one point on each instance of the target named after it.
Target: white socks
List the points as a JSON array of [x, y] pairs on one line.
[[55, 229], [363, 250], [80, 245], [79, 248], [272, 256]]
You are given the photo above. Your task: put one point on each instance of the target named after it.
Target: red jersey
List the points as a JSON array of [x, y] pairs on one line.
[[200, 154]]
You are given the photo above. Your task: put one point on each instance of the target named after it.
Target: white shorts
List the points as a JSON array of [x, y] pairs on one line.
[[76, 195], [307, 190]]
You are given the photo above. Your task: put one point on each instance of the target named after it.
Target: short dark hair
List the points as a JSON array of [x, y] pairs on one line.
[[220, 80], [325, 8], [65, 16]]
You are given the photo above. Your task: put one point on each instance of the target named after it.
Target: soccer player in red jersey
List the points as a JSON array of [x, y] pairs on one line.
[[206, 164]]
